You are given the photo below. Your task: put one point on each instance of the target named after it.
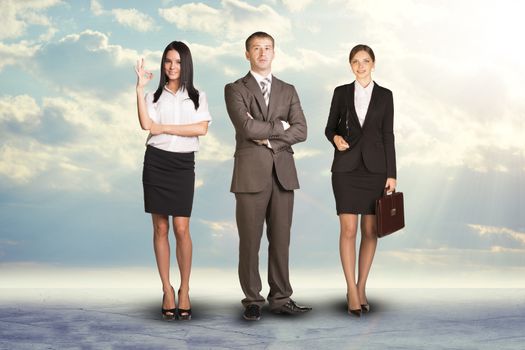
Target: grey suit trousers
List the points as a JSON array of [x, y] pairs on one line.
[[275, 205]]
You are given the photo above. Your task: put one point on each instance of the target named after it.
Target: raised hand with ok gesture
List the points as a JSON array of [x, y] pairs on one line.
[[143, 76]]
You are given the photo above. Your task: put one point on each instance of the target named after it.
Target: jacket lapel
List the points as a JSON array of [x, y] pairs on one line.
[[253, 87], [275, 92], [350, 106]]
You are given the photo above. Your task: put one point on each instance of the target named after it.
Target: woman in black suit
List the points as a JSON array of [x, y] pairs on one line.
[[360, 126]]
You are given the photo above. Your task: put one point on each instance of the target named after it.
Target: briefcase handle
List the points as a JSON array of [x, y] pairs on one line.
[[393, 208], [385, 192]]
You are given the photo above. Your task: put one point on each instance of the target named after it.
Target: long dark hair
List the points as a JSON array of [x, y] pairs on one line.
[[186, 72]]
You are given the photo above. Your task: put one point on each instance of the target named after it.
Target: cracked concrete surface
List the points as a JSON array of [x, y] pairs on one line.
[[130, 319]]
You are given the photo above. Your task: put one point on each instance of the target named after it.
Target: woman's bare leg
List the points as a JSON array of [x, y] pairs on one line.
[[347, 238], [366, 253], [161, 246], [184, 252]]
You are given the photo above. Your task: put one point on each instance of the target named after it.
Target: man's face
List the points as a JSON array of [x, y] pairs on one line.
[[260, 55]]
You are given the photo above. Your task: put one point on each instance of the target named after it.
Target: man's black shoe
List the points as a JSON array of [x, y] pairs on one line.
[[252, 312], [291, 308]]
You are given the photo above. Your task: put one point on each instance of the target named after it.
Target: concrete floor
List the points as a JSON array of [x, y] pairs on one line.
[[130, 319]]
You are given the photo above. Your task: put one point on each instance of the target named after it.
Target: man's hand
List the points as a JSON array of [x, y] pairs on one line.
[[261, 142]]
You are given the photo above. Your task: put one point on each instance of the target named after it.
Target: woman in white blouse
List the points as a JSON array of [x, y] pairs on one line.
[[360, 127], [175, 115]]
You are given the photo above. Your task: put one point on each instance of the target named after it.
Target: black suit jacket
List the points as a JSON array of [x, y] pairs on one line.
[[374, 141]]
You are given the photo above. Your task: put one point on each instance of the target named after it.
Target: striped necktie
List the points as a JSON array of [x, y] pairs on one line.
[[264, 88]]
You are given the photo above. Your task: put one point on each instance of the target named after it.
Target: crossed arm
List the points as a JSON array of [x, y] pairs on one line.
[[244, 123], [297, 132], [146, 123], [261, 131]]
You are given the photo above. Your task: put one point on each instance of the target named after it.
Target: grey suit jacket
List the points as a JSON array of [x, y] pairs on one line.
[[253, 164]]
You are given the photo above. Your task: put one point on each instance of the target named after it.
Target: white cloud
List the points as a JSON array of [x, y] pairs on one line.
[[483, 230], [21, 164], [134, 19], [302, 153], [500, 249], [17, 16], [195, 16], [128, 17], [446, 258], [303, 60], [77, 142], [96, 8], [222, 55], [21, 108], [106, 67], [213, 149], [234, 19], [199, 183], [224, 231], [221, 226], [296, 5], [98, 42]]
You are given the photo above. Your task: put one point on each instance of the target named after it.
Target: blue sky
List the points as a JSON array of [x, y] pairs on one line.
[[71, 147]]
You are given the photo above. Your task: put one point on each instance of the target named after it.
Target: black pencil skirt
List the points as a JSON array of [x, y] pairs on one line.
[[356, 191], [169, 181]]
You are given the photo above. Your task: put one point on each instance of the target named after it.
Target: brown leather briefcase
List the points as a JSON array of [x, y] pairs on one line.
[[390, 214]]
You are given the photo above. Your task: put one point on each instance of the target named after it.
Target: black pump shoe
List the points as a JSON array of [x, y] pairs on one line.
[[183, 314], [354, 312], [168, 314]]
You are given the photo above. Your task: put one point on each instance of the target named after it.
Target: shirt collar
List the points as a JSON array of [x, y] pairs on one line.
[[367, 90], [181, 91], [259, 77]]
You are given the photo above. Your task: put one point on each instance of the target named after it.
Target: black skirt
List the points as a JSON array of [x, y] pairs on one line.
[[356, 191], [169, 181]]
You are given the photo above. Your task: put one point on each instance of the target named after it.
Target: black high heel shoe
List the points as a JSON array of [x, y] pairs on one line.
[[168, 314], [365, 308], [354, 312], [183, 314]]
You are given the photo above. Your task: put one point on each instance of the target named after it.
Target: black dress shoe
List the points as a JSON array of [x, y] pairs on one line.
[[252, 312], [291, 308]]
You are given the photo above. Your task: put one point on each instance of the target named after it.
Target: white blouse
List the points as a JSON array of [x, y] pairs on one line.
[[176, 108], [362, 96]]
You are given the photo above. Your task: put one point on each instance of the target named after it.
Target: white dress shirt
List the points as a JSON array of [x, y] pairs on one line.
[[176, 108], [260, 78], [362, 96]]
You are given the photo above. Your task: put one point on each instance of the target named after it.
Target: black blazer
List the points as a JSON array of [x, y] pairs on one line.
[[374, 141]]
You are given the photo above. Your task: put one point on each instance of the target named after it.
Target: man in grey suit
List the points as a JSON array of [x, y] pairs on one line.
[[268, 119]]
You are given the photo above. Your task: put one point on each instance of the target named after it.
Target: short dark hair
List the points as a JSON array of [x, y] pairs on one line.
[[186, 72], [361, 47], [258, 35]]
